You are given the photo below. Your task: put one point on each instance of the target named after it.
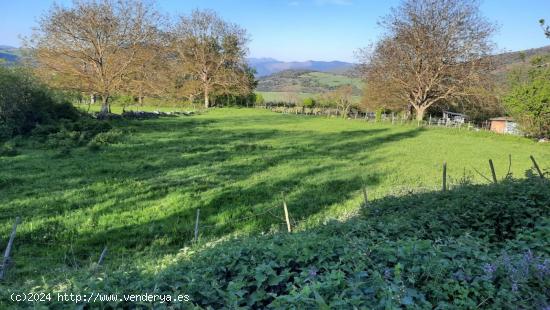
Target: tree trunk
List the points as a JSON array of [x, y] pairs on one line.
[[420, 114], [105, 109], [140, 100], [206, 98]]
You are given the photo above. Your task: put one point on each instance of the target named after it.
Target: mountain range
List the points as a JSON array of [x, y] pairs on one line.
[[318, 76]]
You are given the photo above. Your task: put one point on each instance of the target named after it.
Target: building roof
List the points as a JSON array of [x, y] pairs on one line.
[[502, 118], [454, 113]]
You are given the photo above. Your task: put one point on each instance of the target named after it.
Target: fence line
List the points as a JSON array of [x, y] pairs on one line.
[[283, 219], [392, 118]]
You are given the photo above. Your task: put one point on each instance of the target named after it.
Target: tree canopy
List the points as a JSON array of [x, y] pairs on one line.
[[93, 45], [432, 50]]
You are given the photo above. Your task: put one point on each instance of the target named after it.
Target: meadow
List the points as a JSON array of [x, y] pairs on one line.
[[139, 194]]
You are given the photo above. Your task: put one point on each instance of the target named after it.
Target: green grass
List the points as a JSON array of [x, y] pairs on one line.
[[335, 80], [139, 197], [306, 84]]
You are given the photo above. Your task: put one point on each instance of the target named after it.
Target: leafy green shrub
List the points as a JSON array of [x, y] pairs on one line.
[[529, 101], [308, 102], [378, 115], [259, 99], [123, 100], [8, 150], [24, 103], [105, 138]]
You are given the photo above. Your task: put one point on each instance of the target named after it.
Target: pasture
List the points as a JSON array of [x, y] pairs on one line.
[[139, 196]]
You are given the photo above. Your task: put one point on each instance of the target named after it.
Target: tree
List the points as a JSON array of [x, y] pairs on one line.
[[342, 98], [529, 99], [380, 96], [152, 74], [545, 28], [433, 50], [93, 45], [259, 99], [308, 102], [213, 52]]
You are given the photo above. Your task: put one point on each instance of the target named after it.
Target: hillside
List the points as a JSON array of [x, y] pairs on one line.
[[506, 62], [9, 55], [281, 85], [303, 81], [268, 66]]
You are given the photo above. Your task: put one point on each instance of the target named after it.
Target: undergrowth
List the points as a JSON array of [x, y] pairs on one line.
[[477, 246]]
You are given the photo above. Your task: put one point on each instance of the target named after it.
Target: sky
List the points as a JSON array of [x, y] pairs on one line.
[[300, 30]]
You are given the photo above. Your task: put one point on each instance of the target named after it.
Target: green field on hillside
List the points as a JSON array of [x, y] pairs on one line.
[[308, 82], [290, 97], [139, 195]]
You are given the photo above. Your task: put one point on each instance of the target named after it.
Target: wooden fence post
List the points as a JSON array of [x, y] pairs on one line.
[[197, 226], [493, 170], [537, 167], [7, 253], [287, 219], [444, 188], [365, 196], [102, 256]]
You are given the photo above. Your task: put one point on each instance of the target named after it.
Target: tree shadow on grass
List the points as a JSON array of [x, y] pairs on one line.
[[129, 196], [460, 230]]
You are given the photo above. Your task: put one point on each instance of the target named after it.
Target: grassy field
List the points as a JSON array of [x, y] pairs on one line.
[[139, 197]]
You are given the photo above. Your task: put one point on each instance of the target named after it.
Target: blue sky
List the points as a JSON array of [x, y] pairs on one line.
[[308, 29]]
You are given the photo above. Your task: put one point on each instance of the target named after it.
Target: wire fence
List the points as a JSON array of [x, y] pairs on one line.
[[459, 122], [72, 259]]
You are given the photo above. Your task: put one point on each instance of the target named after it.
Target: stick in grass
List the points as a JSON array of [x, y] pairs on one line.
[[537, 167], [197, 225], [7, 253], [286, 215], [365, 196], [102, 256], [493, 171], [444, 188]]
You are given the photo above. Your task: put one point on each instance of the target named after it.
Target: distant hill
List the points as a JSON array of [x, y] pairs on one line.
[[506, 62], [268, 66], [10, 55], [312, 81], [307, 81]]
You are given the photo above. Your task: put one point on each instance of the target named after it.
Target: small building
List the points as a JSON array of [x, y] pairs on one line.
[[504, 125], [452, 117]]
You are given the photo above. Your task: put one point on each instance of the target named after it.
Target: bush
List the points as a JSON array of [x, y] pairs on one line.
[[378, 115], [25, 103], [308, 102], [259, 99], [105, 138], [529, 100], [8, 150]]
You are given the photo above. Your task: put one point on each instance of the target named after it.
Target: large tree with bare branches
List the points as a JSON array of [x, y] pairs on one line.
[[212, 53], [432, 51], [94, 45]]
